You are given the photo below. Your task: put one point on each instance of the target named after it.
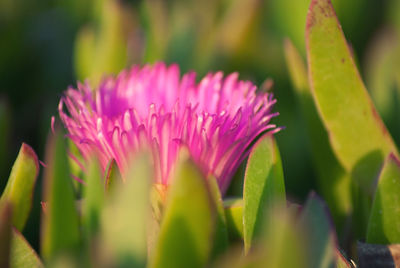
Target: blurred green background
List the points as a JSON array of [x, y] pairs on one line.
[[47, 45]]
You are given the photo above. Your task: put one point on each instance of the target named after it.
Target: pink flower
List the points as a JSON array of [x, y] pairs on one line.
[[216, 119]]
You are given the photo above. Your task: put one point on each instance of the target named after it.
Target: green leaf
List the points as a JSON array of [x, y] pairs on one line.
[[125, 216], [93, 197], [293, 25], [5, 233], [105, 50], [381, 74], [384, 222], [21, 184], [60, 223], [333, 180], [221, 231], [357, 134], [283, 243], [185, 238], [156, 28], [234, 218], [320, 234], [22, 254], [263, 186]]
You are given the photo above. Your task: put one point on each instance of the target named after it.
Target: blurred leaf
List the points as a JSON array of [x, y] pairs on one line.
[[221, 231], [393, 14], [332, 178], [104, 50], [21, 185], [5, 233], [320, 233], [22, 254], [60, 224], [125, 217], [384, 222], [357, 135], [382, 77], [84, 52], [293, 25], [156, 27], [380, 72], [185, 237], [93, 198], [234, 218], [283, 243], [263, 186], [235, 23]]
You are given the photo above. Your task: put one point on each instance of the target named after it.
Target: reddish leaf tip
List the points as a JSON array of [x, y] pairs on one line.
[[27, 150], [392, 157], [318, 9]]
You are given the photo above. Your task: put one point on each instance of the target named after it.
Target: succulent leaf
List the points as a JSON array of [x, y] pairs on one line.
[[320, 234], [263, 186], [22, 254], [124, 220], [60, 223], [21, 184], [384, 221], [357, 134], [185, 238]]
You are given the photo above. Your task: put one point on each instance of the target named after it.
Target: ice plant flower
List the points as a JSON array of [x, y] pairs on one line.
[[217, 119]]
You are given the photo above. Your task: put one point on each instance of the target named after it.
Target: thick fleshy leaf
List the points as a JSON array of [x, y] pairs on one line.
[[357, 135], [124, 221], [234, 218], [185, 238], [22, 254], [320, 234], [5, 234], [333, 180], [221, 230], [263, 186], [21, 184], [60, 224], [93, 197], [384, 222]]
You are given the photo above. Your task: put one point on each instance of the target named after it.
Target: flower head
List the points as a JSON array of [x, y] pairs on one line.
[[217, 119]]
